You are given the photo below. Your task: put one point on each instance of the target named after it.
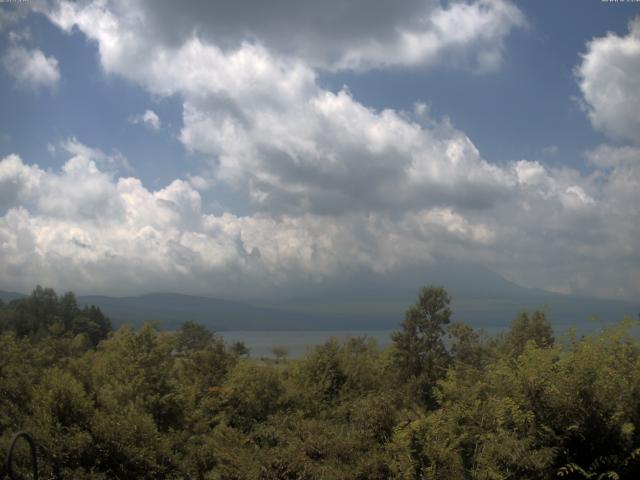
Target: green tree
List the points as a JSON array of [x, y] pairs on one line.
[[18, 374], [250, 394], [419, 351], [239, 349], [321, 376], [466, 345], [527, 327], [136, 367], [193, 336], [62, 413], [44, 314], [280, 353]]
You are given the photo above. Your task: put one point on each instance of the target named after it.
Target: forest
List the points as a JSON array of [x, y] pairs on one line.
[[444, 401]]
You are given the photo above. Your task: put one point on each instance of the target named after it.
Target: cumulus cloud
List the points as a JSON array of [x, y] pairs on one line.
[[81, 190], [148, 118], [605, 156], [289, 144], [609, 78], [85, 229], [116, 162], [467, 33], [324, 152], [335, 186], [31, 68], [19, 182], [353, 34]]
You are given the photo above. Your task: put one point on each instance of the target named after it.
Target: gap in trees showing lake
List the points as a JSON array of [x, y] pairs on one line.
[[297, 343]]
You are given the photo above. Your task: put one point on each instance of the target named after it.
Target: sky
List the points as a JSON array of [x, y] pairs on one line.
[[250, 149]]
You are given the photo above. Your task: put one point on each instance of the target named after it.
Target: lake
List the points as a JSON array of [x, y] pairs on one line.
[[298, 343]]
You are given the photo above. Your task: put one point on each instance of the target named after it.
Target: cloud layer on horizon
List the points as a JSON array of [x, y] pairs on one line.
[[92, 231]]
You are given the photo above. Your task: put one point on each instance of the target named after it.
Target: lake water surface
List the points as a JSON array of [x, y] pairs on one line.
[[298, 343]]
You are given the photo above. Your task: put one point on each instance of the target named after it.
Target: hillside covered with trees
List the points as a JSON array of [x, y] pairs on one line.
[[444, 401]]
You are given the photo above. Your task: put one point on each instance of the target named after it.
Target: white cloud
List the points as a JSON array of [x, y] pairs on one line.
[[31, 67], [336, 186], [148, 118], [19, 183], [81, 190], [609, 78], [467, 33], [291, 145], [84, 229], [608, 156], [623, 167], [116, 162], [353, 34]]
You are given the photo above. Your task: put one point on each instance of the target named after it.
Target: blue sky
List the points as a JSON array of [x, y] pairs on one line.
[[287, 156]]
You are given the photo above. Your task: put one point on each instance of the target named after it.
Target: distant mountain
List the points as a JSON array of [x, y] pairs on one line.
[[172, 309], [363, 301], [480, 297], [6, 297], [495, 310], [479, 311]]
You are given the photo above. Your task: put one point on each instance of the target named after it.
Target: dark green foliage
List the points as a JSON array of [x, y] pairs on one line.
[[321, 374], [239, 349], [466, 345], [44, 314], [250, 394], [527, 328], [192, 336], [280, 353], [140, 403], [420, 354]]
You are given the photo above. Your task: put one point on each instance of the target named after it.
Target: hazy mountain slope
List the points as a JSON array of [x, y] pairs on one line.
[[362, 301], [6, 297], [480, 296], [480, 311], [172, 309]]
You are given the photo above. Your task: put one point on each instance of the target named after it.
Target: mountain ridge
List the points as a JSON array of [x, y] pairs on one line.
[[361, 301]]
